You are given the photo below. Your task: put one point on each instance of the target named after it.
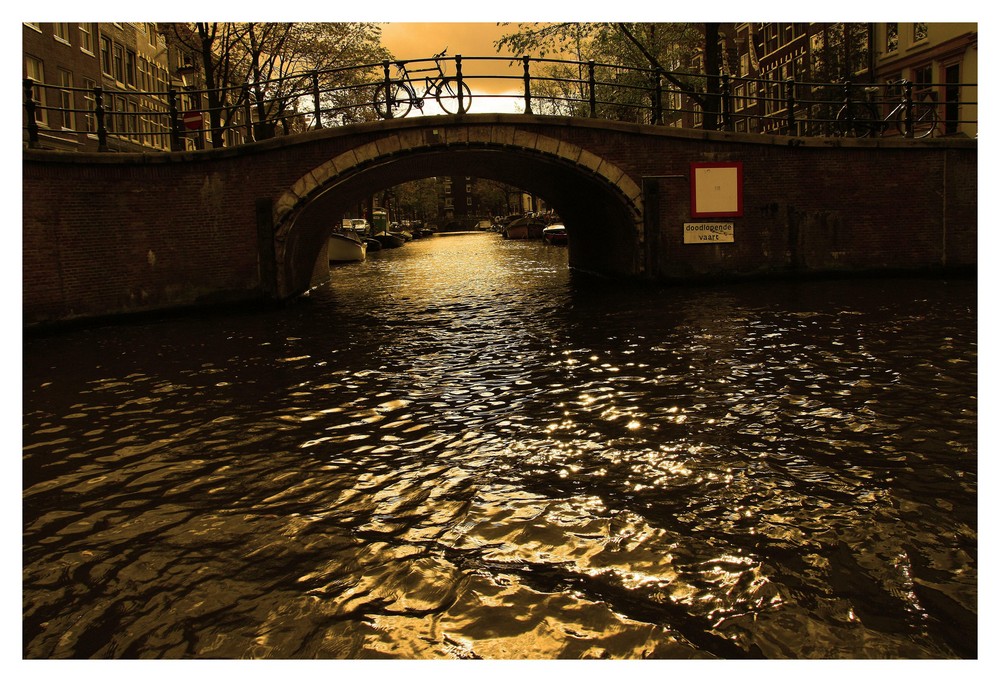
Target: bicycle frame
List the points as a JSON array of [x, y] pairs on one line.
[[405, 75], [912, 118], [395, 97]]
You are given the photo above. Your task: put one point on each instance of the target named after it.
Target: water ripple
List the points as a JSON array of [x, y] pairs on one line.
[[460, 450]]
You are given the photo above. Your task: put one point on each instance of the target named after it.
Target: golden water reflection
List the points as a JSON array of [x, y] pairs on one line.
[[459, 451]]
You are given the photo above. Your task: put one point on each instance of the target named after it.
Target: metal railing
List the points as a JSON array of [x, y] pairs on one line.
[[177, 119]]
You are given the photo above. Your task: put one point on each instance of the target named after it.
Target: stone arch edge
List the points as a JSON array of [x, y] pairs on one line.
[[415, 141]]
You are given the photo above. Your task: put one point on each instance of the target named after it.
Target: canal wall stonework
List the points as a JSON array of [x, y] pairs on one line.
[[110, 234]]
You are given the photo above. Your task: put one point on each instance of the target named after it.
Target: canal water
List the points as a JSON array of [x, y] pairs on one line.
[[462, 449]]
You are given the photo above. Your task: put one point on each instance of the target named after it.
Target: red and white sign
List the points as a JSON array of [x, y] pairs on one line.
[[192, 120], [717, 189]]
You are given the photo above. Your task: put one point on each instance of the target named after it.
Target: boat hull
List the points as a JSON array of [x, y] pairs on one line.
[[345, 248], [555, 235], [389, 241], [524, 228]]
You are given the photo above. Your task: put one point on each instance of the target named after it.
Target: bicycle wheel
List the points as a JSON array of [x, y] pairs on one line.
[[855, 120], [447, 96], [398, 103], [924, 120]]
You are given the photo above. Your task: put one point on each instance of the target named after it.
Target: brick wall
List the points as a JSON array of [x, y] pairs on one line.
[[117, 233]]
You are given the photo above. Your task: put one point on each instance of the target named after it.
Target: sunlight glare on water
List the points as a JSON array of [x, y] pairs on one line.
[[460, 449]]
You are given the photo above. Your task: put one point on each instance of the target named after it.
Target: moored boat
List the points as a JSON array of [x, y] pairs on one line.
[[345, 246], [555, 234], [389, 240], [528, 227]]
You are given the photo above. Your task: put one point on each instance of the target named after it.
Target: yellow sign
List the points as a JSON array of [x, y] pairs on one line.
[[708, 233]]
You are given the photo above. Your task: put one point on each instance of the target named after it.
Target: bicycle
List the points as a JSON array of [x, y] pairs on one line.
[[396, 98], [862, 119]]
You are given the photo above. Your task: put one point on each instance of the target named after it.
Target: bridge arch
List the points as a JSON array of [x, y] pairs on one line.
[[138, 232], [599, 202]]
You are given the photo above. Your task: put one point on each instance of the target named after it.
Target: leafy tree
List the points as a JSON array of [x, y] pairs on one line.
[[645, 50], [417, 199], [494, 197], [269, 67]]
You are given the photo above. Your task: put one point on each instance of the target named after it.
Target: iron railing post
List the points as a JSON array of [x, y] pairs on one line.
[[727, 103], [592, 86], [387, 84], [175, 124], [848, 115], [247, 111], [317, 106], [527, 84], [908, 107], [658, 98], [100, 115], [790, 103], [458, 77], [29, 109]]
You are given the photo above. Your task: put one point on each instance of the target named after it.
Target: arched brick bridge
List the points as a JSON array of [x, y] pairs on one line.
[[105, 234]]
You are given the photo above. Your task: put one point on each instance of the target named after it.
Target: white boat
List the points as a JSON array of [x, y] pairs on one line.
[[345, 246]]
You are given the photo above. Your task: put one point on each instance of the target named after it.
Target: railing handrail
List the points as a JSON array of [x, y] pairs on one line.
[[639, 94]]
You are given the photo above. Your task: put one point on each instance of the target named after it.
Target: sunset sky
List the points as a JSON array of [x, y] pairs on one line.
[[414, 40], [409, 40]]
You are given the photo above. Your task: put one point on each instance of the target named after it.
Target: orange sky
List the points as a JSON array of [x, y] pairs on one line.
[[409, 40], [416, 40]]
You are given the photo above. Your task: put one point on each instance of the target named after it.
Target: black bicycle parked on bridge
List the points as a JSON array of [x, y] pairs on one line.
[[863, 118], [396, 98]]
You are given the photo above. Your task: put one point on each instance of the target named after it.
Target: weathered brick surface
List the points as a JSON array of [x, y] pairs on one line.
[[117, 233]]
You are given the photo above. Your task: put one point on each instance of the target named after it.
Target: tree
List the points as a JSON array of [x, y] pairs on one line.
[[277, 68], [212, 44], [417, 199], [649, 50]]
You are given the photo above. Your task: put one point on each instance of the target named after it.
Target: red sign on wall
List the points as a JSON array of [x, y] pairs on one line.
[[717, 189]]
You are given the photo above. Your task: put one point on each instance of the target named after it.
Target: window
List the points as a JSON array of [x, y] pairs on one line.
[[160, 81], [952, 95], [770, 38], [145, 77], [787, 33], [34, 24], [132, 118], [61, 32], [35, 71], [151, 34], [118, 126], [106, 55], [923, 77], [919, 32], [87, 38], [817, 47], [146, 127], [891, 38], [161, 128], [118, 62], [130, 67], [857, 39], [90, 106], [66, 98]]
